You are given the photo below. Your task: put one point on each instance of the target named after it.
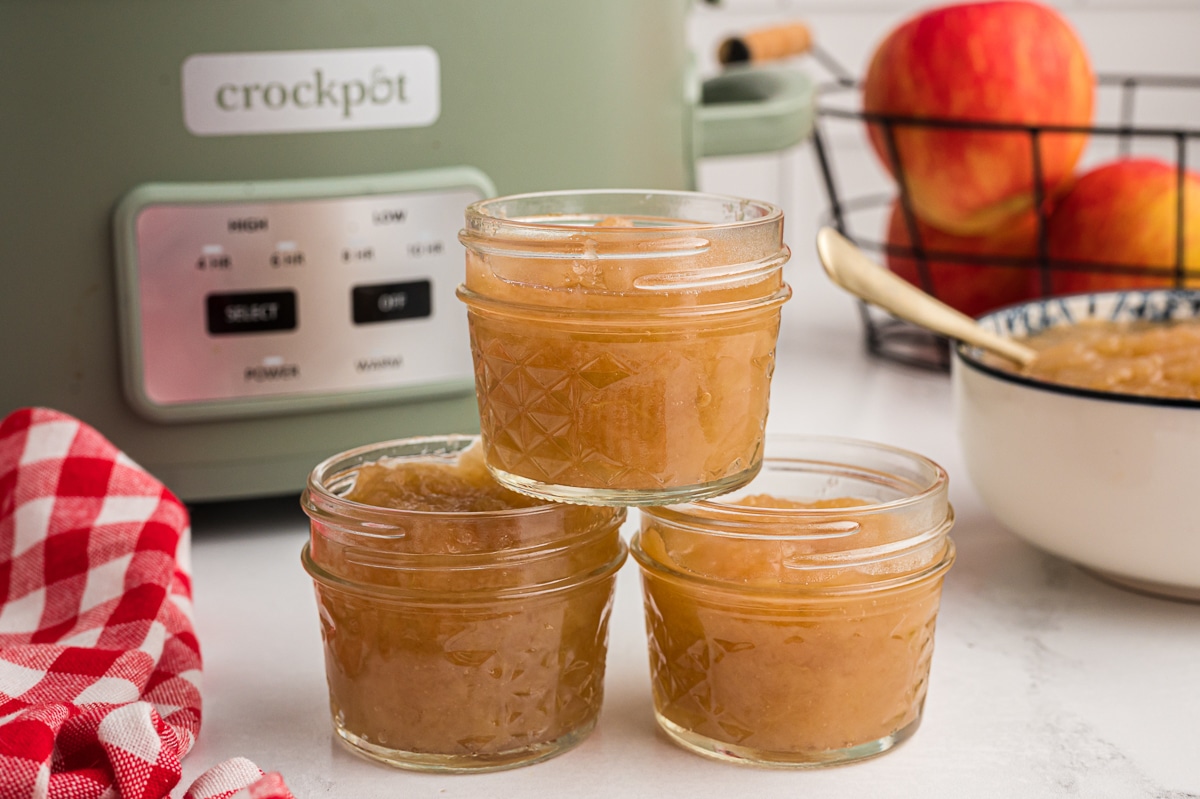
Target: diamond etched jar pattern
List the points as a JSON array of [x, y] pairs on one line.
[[709, 651], [623, 341], [791, 623], [624, 411], [457, 640]]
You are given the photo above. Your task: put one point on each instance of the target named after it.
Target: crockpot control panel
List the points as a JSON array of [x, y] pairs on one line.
[[246, 299]]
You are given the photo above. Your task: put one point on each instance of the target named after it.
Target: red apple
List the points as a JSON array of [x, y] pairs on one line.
[[997, 62], [1124, 213], [973, 288]]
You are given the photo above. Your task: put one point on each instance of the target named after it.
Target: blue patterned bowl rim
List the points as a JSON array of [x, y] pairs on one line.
[[1035, 316]]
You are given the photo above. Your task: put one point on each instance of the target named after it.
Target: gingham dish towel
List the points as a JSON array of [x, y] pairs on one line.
[[99, 664]]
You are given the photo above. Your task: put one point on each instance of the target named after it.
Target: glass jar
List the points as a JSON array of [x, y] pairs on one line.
[[462, 641], [791, 623], [623, 341]]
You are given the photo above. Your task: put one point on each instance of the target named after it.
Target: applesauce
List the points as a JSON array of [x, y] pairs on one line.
[[1156, 359], [793, 626], [623, 342], [465, 626]]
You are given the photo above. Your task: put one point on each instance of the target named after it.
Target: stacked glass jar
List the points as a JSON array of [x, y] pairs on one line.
[[624, 345]]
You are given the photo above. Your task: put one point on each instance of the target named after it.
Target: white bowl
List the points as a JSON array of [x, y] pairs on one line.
[[1108, 481]]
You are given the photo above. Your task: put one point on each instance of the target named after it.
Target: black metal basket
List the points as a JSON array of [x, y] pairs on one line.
[[900, 341]]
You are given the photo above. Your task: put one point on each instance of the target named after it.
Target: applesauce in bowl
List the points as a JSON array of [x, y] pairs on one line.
[[623, 341], [1091, 454], [1151, 359], [791, 624], [465, 626]]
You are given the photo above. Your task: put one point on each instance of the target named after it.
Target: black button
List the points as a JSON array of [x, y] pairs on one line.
[[260, 312], [391, 301]]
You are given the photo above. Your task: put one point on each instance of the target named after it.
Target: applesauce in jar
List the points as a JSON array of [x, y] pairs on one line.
[[1156, 359], [793, 625], [623, 342], [465, 626]]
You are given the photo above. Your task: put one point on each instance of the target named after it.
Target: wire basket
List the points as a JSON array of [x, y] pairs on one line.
[[894, 339]]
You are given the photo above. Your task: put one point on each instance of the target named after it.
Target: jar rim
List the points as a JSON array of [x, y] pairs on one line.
[[729, 312], [319, 501], [486, 209], [900, 581], [325, 577], [822, 522]]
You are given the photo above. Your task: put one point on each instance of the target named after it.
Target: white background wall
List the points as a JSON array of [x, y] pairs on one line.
[[1122, 36]]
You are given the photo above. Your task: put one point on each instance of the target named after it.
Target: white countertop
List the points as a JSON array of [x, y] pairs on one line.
[[1046, 682]]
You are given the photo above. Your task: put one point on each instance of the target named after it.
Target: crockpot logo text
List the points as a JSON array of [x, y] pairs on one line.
[[314, 90], [317, 92]]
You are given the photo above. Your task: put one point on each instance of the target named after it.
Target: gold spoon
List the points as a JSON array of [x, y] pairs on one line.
[[850, 268]]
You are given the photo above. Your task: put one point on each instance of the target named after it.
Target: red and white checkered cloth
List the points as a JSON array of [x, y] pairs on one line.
[[99, 664]]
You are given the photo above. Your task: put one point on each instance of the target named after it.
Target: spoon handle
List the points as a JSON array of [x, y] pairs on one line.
[[850, 268]]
